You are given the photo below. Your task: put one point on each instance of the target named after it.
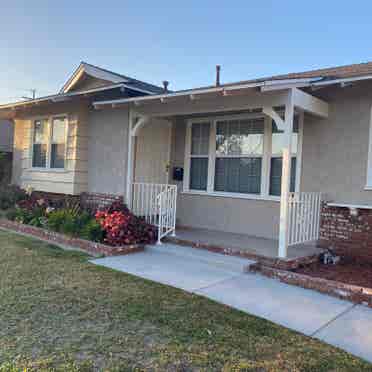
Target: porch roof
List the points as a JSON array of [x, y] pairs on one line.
[[254, 95]]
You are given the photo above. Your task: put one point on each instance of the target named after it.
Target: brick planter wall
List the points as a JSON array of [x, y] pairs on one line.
[[91, 201], [95, 249], [97, 200], [347, 234], [353, 293]]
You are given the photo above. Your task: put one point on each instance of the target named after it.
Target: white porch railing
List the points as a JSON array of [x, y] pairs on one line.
[[303, 217], [157, 204]]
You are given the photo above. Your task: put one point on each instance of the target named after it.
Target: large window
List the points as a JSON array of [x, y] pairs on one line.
[[239, 151], [49, 137], [237, 156]]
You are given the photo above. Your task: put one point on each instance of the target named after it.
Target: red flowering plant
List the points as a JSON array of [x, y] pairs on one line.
[[122, 227]]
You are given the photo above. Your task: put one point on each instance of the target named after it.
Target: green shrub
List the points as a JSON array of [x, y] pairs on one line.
[[92, 231], [11, 214], [57, 219], [10, 195], [68, 221], [23, 216]]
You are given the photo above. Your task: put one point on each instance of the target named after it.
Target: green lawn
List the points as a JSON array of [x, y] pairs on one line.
[[59, 312]]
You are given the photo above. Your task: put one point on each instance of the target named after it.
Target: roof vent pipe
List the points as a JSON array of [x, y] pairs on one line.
[[165, 85], [218, 71]]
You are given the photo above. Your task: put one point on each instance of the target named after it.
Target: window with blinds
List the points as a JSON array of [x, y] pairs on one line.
[[58, 139], [199, 156], [276, 159], [49, 143], [239, 151], [40, 144]]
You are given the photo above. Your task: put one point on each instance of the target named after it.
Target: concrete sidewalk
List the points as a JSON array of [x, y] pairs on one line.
[[221, 278]]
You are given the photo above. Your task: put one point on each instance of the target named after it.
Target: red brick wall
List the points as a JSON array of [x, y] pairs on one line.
[[96, 200], [349, 235], [91, 200]]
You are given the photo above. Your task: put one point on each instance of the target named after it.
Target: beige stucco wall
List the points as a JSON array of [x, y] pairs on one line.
[[253, 217], [71, 180], [107, 149], [335, 150]]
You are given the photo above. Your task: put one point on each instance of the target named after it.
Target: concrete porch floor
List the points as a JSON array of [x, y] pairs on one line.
[[241, 242]]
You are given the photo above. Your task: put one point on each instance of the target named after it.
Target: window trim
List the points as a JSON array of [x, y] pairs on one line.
[[49, 119], [266, 157]]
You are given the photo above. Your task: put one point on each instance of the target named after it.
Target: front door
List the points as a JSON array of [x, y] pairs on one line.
[[152, 152]]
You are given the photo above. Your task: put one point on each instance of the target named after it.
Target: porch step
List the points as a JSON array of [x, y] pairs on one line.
[[229, 263]]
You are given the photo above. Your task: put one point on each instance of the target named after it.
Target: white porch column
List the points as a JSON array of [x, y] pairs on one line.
[[286, 177], [135, 123]]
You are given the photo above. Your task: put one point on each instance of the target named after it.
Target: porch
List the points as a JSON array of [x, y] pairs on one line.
[[226, 176], [240, 244]]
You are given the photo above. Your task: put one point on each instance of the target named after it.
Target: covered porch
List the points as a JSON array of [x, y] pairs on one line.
[[243, 245], [175, 191]]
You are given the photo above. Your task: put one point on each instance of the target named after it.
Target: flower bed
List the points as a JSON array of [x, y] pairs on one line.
[[66, 219], [320, 281], [93, 248], [348, 270]]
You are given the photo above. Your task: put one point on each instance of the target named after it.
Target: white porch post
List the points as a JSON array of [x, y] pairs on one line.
[[286, 177], [130, 161], [136, 122]]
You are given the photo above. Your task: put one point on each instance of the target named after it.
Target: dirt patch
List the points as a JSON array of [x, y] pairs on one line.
[[348, 270]]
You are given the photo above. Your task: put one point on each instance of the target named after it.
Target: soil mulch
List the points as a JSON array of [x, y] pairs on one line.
[[348, 270]]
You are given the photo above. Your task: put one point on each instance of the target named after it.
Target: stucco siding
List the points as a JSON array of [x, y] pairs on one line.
[[107, 151], [335, 150], [254, 217]]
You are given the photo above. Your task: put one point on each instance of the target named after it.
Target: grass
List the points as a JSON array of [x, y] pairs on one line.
[[59, 312]]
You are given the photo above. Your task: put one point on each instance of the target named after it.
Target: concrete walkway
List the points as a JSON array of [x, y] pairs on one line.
[[221, 278]]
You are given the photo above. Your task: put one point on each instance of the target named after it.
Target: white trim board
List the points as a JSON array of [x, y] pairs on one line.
[[350, 206]]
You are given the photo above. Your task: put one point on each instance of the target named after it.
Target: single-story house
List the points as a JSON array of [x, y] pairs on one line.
[[285, 158]]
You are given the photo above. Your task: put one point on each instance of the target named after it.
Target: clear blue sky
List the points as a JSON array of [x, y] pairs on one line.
[[42, 42]]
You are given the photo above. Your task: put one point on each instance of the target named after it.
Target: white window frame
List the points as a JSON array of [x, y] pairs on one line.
[[49, 119], [266, 156]]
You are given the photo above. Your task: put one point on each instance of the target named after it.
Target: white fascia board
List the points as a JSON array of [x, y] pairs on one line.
[[343, 80], [59, 97]]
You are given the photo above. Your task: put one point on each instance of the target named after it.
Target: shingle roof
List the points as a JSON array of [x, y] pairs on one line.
[[132, 81], [329, 73]]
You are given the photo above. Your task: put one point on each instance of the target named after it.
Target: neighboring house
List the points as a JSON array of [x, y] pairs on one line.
[[252, 157]]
